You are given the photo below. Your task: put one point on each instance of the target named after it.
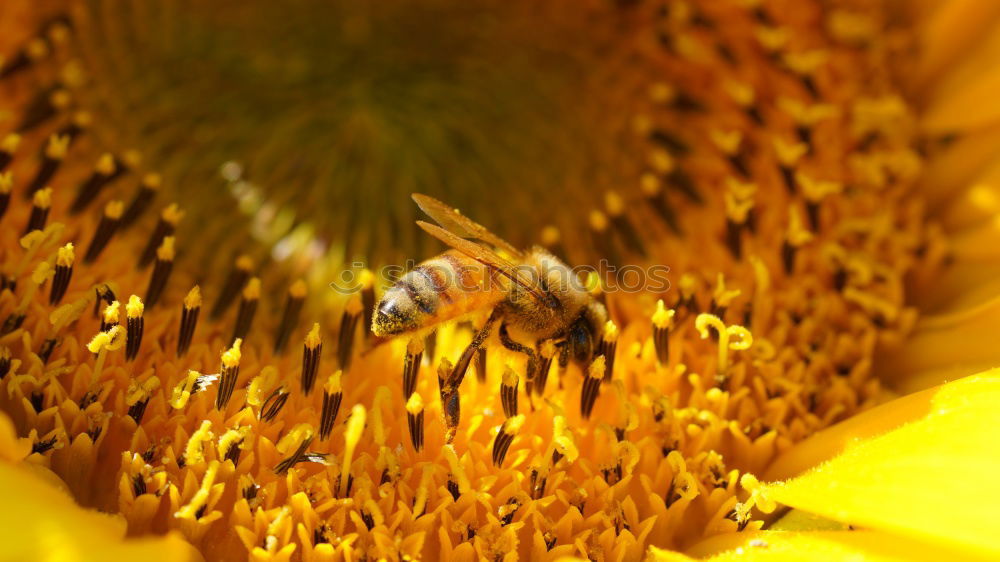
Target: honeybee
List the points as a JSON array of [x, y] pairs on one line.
[[531, 294]]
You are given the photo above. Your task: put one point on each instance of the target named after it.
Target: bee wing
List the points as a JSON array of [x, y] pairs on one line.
[[451, 220], [488, 258]]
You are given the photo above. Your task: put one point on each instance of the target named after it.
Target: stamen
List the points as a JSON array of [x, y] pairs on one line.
[[8, 146], [563, 443], [333, 395], [134, 323], [415, 420], [247, 309], [41, 203], [189, 320], [740, 336], [193, 383], [312, 350], [110, 316], [148, 187], [101, 344], [290, 317], [537, 386], [348, 325], [5, 361], [508, 392], [739, 201], [551, 239], [273, 404], [663, 320], [42, 273], [105, 171], [138, 396], [451, 407], [63, 274], [166, 226], [6, 186], [105, 230], [607, 347], [352, 435], [598, 222], [53, 156], [411, 365], [615, 206], [652, 188], [194, 450], [103, 293], [46, 104], [161, 271], [296, 457], [789, 154], [366, 279], [36, 49], [232, 442], [227, 378], [235, 282], [591, 386], [505, 436], [796, 237]]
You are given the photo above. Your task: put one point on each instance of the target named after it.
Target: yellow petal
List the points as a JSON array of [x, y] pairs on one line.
[[869, 546], [974, 83], [41, 522], [954, 344], [932, 480], [949, 32]]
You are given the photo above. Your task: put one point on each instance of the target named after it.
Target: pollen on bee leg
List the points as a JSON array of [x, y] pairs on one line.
[[451, 407], [148, 187], [63, 274], [247, 309], [411, 364], [333, 395], [227, 377], [189, 320], [166, 226], [312, 350], [607, 347], [41, 204], [290, 316], [134, 324], [415, 420], [505, 436], [508, 392], [348, 326], [663, 320], [592, 386], [161, 271]]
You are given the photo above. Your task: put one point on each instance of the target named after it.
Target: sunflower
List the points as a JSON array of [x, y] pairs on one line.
[[812, 380]]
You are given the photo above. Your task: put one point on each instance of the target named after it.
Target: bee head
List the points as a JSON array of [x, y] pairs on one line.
[[395, 314]]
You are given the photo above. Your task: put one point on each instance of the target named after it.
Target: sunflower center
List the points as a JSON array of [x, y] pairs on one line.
[[338, 109]]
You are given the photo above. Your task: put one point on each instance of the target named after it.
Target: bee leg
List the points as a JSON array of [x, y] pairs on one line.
[[516, 347], [458, 373]]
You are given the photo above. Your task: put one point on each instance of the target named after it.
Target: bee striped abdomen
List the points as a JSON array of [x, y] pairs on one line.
[[437, 290]]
